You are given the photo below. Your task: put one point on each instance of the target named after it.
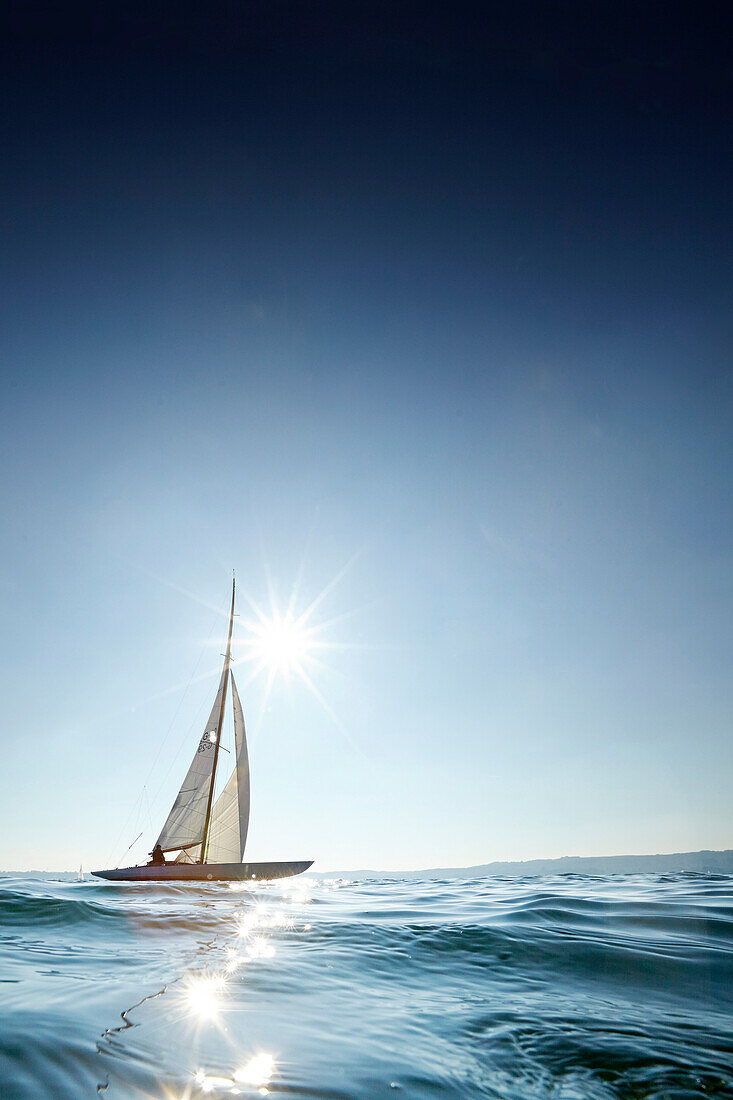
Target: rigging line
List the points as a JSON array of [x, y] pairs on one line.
[[147, 802], [152, 803], [174, 759], [160, 749], [127, 849], [180, 703], [137, 817], [193, 722], [124, 828]]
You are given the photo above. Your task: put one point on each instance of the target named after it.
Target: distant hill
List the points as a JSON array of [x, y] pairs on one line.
[[702, 862]]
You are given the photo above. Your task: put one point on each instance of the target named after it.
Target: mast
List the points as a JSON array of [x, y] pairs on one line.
[[219, 725]]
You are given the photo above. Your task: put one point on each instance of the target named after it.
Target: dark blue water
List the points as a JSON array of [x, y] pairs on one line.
[[568, 987]]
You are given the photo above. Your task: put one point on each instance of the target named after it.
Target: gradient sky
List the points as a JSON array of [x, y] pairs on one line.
[[432, 301]]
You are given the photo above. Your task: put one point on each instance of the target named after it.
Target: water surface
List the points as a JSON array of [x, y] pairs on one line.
[[569, 987]]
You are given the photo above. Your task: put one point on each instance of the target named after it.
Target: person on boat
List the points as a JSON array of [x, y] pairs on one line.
[[158, 856]]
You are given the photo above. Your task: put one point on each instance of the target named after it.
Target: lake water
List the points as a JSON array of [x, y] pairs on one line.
[[568, 987]]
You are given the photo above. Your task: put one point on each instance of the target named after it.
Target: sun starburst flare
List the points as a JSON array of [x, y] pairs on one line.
[[204, 996], [281, 643]]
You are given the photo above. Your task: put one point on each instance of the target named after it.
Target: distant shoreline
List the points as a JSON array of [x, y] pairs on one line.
[[716, 862], [702, 862]]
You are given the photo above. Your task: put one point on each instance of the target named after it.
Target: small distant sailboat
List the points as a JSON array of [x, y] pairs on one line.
[[80, 876], [209, 836]]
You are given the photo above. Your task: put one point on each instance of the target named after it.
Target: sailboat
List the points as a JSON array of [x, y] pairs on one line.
[[208, 836]]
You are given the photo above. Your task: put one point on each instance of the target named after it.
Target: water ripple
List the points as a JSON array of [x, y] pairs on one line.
[[569, 987]]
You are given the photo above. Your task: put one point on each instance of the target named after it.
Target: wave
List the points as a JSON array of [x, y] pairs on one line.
[[102, 906], [565, 987]]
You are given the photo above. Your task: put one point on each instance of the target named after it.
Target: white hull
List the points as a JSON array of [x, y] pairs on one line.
[[205, 872]]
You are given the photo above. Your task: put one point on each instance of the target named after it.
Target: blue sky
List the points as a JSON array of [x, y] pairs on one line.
[[465, 354]]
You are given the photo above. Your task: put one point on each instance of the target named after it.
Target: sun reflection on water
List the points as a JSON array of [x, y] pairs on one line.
[[205, 996], [209, 1083], [259, 948], [258, 1071], [234, 961]]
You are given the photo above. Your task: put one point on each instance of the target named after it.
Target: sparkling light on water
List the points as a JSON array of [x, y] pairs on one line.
[[204, 995], [258, 1071], [212, 1084], [259, 948]]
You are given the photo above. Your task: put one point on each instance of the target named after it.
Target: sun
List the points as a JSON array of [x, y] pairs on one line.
[[281, 643]]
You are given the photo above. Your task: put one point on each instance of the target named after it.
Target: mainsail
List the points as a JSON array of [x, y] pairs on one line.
[[185, 823], [230, 816]]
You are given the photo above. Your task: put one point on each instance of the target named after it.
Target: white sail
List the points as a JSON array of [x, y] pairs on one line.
[[230, 816], [185, 823]]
